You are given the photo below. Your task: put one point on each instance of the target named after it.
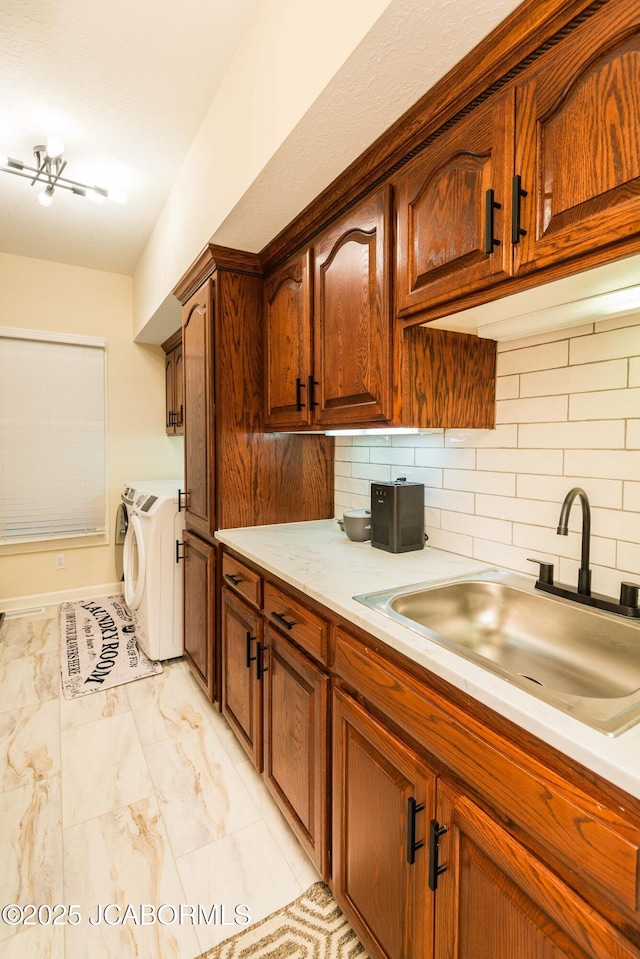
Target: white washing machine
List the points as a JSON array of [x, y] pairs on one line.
[[153, 586]]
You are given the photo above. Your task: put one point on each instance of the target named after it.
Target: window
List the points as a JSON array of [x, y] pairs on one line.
[[52, 436]]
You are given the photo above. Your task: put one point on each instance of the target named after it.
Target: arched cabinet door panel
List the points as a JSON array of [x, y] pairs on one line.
[[578, 144], [352, 318], [452, 206]]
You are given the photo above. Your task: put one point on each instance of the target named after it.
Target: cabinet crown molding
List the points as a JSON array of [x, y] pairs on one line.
[[211, 259]]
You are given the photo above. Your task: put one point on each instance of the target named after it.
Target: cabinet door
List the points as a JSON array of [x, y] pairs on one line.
[[377, 781], [452, 215], [199, 610], [242, 661], [197, 347], [287, 315], [178, 391], [495, 900], [352, 318], [170, 391], [578, 142], [295, 744]]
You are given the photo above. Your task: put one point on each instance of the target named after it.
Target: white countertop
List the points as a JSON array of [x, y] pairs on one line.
[[318, 559]]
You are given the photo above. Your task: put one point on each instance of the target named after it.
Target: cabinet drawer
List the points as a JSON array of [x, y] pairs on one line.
[[242, 580], [589, 843], [297, 622]]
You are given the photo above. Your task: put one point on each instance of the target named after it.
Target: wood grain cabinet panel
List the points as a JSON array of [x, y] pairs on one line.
[[376, 780], [297, 622], [578, 142], [296, 744], [199, 610], [199, 447], [242, 674], [288, 361], [452, 210], [495, 900], [174, 385], [352, 317]]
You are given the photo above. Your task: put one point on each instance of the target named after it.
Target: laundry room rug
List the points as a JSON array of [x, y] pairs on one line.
[[99, 647], [312, 927]]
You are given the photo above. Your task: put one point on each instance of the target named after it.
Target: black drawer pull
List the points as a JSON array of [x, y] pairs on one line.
[[283, 620], [299, 388], [517, 193], [235, 580], [490, 206], [259, 657], [435, 870], [413, 808], [250, 658]]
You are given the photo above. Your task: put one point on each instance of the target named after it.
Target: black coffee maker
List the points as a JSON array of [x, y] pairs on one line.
[[397, 516]]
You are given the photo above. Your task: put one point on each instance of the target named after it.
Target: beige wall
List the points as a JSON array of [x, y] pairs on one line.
[[41, 295], [273, 79]]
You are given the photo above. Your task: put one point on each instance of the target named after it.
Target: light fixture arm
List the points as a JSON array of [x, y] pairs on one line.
[[48, 170]]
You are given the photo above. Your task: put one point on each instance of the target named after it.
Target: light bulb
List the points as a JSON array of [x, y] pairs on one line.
[[117, 196], [46, 197], [55, 146], [4, 159]]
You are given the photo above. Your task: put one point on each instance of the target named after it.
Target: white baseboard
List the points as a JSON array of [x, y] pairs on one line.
[[63, 596]]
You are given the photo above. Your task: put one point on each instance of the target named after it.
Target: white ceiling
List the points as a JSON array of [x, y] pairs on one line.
[[126, 85]]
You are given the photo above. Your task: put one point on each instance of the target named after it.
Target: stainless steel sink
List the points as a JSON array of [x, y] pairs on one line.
[[584, 662]]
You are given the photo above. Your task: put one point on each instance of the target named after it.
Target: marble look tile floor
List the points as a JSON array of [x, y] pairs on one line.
[[137, 796]]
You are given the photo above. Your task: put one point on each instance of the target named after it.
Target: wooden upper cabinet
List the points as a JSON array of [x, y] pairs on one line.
[[174, 385], [287, 317], [197, 352], [453, 230], [352, 317], [578, 141]]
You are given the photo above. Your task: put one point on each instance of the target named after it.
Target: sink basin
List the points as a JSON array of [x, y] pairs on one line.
[[584, 662]]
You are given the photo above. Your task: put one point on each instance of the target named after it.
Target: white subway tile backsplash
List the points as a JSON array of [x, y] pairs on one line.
[[605, 405], [623, 464], [458, 501], [505, 435], [393, 455], [517, 510], [521, 461], [568, 414], [631, 496], [606, 346], [452, 542], [477, 481], [544, 357], [629, 558], [633, 435], [463, 459], [508, 387], [494, 529], [606, 493], [575, 379], [547, 409], [602, 434]]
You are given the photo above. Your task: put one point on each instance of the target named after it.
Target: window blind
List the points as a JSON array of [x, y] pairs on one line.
[[52, 436]]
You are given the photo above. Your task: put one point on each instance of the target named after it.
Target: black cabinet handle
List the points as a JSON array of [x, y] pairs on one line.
[[178, 545], [171, 421], [490, 205], [413, 808], [299, 387], [182, 505], [435, 870], [311, 394], [235, 580], [180, 419], [259, 657], [517, 193], [250, 658], [283, 621]]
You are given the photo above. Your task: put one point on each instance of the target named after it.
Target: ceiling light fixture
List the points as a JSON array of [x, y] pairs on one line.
[[48, 171]]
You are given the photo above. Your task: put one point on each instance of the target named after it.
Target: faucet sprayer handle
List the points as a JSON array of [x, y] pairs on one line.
[[629, 595], [546, 571]]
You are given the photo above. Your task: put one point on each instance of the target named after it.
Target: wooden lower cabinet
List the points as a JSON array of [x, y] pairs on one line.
[[296, 752], [199, 609], [383, 801], [495, 900], [242, 673]]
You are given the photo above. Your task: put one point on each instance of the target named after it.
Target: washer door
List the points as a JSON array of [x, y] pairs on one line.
[[134, 563]]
